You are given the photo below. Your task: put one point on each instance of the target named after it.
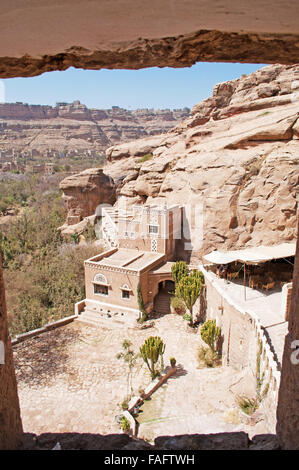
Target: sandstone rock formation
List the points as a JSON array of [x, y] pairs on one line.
[[39, 37], [74, 127], [82, 193], [233, 164]]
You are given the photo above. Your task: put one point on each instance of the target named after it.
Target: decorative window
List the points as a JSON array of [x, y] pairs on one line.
[[100, 289], [154, 245], [153, 228], [125, 291], [101, 279], [100, 285]]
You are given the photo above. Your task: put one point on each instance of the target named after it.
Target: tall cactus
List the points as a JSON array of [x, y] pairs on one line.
[[210, 333], [179, 269], [152, 349], [189, 289]]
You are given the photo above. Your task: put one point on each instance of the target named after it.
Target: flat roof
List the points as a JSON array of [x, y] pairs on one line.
[[165, 268], [259, 254], [131, 259]]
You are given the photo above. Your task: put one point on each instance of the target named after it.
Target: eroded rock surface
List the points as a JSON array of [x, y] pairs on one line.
[[83, 192], [235, 158]]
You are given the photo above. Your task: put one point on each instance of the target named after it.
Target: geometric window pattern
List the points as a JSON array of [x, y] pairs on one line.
[[101, 279], [154, 245]]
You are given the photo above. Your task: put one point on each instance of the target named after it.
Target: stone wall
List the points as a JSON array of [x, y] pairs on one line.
[[244, 344], [286, 300], [10, 420], [239, 340]]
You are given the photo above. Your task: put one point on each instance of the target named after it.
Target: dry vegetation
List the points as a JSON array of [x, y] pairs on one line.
[[44, 276]]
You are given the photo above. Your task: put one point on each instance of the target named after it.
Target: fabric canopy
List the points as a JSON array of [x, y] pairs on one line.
[[256, 255]]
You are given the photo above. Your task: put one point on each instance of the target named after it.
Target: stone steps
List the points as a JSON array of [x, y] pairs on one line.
[[95, 319], [162, 304]]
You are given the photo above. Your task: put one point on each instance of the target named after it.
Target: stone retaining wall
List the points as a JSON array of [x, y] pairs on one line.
[[44, 329], [242, 334]]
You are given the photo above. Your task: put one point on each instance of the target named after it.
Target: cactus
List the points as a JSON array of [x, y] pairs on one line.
[[189, 289], [152, 349], [210, 333], [179, 270]]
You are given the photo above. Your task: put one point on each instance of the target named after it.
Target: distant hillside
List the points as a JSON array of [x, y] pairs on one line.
[[74, 127]]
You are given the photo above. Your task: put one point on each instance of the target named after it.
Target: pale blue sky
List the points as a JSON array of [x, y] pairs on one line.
[[130, 89]]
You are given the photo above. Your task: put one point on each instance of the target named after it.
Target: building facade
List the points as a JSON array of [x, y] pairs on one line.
[[141, 248]]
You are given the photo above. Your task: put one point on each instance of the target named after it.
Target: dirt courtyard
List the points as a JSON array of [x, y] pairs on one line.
[[69, 380]]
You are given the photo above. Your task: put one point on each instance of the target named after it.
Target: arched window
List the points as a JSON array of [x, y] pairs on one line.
[[100, 284], [100, 279], [125, 291]]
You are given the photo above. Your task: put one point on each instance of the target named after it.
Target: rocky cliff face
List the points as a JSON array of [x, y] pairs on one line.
[[233, 164], [76, 127], [82, 194]]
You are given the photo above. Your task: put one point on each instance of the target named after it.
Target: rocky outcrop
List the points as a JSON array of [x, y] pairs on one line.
[[234, 160], [38, 38], [82, 193], [72, 127]]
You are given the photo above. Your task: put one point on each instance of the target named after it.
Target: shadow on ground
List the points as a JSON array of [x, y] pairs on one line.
[[42, 358]]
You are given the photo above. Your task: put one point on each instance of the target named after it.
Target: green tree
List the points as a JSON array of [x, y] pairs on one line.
[[210, 333], [189, 289], [179, 269], [153, 349]]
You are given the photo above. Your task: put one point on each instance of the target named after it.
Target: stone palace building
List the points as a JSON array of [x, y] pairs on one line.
[[142, 244]]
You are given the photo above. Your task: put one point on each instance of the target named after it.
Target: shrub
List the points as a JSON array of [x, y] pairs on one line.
[[187, 317], [125, 424], [125, 404], [178, 305], [210, 333], [207, 358], [247, 405], [145, 158]]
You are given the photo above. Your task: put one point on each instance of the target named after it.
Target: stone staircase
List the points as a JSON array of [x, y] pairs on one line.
[[162, 302], [97, 320]]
